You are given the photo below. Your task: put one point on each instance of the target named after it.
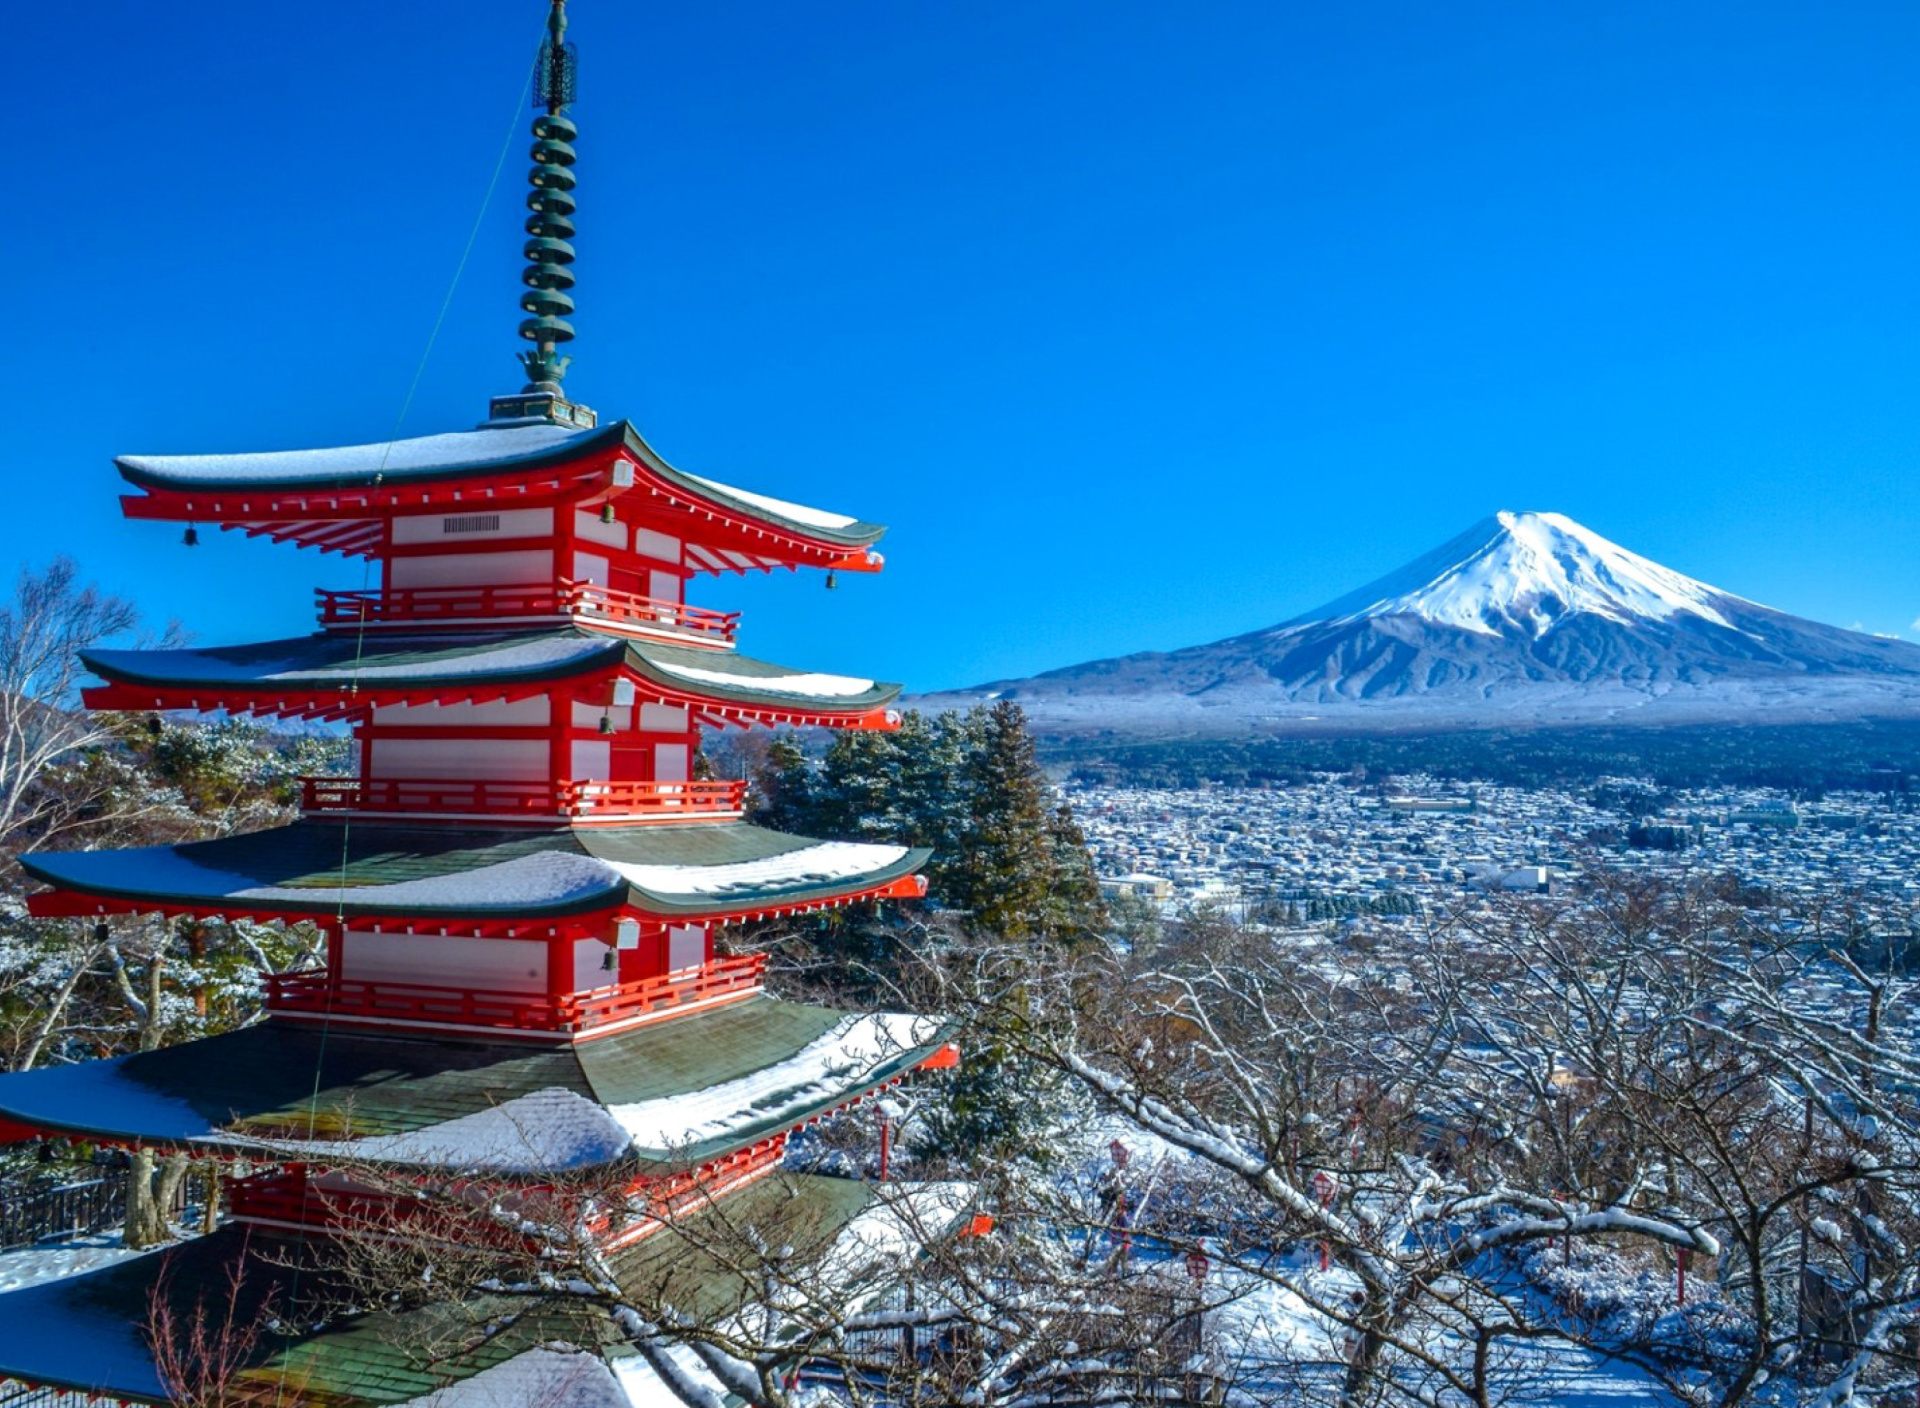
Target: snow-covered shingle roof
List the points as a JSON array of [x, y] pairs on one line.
[[489, 452]]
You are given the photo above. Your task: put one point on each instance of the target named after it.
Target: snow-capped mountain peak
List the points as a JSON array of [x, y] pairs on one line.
[[1525, 619], [1526, 573]]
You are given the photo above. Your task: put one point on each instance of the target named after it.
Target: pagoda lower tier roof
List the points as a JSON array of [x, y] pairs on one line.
[[90, 1331], [324, 869], [389, 474], [671, 1095], [335, 672]]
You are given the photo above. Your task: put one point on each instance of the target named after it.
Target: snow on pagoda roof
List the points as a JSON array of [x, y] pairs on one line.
[[402, 870], [675, 1093], [486, 452], [336, 660], [88, 1330], [424, 455]]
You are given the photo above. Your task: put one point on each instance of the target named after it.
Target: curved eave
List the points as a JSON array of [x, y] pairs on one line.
[[729, 687], [900, 880], [76, 896], [933, 1054], [361, 668], [589, 878], [341, 512], [852, 534], [415, 1101], [375, 466], [67, 899]]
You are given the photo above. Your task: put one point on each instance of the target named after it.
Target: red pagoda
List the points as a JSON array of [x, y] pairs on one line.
[[519, 887]]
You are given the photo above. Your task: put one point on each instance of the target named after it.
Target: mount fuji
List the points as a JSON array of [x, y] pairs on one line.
[[1524, 619]]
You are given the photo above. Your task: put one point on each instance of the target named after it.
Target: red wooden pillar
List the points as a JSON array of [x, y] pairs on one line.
[[560, 984]]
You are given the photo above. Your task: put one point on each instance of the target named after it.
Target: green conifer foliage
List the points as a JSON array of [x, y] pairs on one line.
[[1007, 855]]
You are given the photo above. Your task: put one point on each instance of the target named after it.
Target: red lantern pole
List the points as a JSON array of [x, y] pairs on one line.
[[886, 1143]]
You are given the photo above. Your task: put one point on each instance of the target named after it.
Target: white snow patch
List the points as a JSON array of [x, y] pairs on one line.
[[421, 453], [1528, 570], [823, 863], [548, 877], [646, 1389], [541, 1131], [818, 685], [831, 1065], [549, 1377], [30, 1266], [544, 878]]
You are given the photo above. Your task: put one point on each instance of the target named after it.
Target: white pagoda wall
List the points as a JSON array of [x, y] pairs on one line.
[[445, 960]]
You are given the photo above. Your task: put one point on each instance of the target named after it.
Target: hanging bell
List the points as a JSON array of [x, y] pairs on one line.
[[190, 538], [832, 581], [100, 934], [606, 513], [606, 723]]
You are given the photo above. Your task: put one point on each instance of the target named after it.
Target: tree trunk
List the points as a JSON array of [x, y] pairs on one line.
[[210, 1210], [150, 1200], [143, 1229]]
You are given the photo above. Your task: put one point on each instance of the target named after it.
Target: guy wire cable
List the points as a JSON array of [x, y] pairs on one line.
[[360, 638]]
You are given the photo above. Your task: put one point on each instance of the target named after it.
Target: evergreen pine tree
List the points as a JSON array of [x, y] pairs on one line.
[[783, 788], [1006, 869]]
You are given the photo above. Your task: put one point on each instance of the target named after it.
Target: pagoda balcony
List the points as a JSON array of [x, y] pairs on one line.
[[587, 602], [314, 993], [292, 1196], [578, 802]]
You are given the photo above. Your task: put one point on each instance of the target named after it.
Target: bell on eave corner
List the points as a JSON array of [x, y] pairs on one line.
[[190, 538]]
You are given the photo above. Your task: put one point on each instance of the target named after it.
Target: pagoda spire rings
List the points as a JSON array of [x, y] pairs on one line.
[[550, 226], [549, 251]]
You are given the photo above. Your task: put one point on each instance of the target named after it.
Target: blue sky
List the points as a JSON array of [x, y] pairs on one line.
[[1142, 324]]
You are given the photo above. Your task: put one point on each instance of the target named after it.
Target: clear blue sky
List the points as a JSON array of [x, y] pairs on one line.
[[1143, 324]]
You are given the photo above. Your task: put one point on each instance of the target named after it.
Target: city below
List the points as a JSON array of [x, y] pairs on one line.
[[1342, 848]]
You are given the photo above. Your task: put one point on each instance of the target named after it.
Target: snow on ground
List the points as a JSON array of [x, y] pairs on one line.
[[30, 1266], [828, 1066]]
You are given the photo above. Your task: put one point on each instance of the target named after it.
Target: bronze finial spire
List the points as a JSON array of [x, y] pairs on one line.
[[549, 247]]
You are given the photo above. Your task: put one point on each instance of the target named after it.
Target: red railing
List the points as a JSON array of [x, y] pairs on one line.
[[426, 606], [294, 1195], [313, 991], [582, 800]]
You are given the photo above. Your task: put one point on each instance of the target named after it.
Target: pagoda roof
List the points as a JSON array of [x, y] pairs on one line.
[[89, 1332], [672, 1094], [323, 869], [491, 452], [309, 674]]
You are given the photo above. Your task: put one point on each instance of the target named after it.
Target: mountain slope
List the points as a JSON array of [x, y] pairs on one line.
[[1524, 618]]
